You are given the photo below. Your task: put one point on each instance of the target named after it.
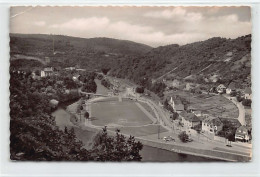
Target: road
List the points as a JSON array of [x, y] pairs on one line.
[[199, 144], [241, 109]]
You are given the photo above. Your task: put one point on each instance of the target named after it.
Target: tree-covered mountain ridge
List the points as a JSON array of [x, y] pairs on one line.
[[221, 59], [217, 58]]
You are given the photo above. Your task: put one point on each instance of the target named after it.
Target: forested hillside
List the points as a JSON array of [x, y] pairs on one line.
[[226, 59], [217, 58], [93, 53]]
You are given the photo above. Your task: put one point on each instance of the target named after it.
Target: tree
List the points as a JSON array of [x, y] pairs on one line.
[[246, 102], [183, 137], [105, 70], [86, 115], [230, 137], [139, 90], [239, 98], [175, 115], [233, 94], [116, 148]]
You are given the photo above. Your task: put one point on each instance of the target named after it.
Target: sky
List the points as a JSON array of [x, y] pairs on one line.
[[153, 26]]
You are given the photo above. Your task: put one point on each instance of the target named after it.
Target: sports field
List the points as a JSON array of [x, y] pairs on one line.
[[114, 113]]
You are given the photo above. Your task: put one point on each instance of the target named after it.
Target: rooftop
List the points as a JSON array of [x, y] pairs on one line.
[[189, 116], [213, 121], [232, 86], [248, 90]]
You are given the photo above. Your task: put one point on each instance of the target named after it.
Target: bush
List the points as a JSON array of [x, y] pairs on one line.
[[239, 98], [139, 90], [233, 94], [105, 70], [183, 137]]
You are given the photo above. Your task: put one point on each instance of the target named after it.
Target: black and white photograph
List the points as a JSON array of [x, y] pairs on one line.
[[130, 83]]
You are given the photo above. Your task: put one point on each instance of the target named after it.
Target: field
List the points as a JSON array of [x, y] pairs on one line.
[[214, 105], [116, 113]]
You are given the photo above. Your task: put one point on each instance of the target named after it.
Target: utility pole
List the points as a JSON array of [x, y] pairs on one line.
[[53, 44], [158, 131]]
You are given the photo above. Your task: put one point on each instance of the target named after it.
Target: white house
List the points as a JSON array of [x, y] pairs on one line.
[[70, 68], [242, 134], [189, 120], [76, 77], [248, 93], [197, 113], [47, 72], [231, 88], [176, 105], [190, 86], [212, 125], [175, 83], [221, 88]]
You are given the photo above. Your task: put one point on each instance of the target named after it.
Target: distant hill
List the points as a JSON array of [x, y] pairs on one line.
[[217, 58], [225, 59], [92, 53]]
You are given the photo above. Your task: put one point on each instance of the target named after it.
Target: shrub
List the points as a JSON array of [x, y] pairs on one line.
[[139, 90], [183, 137], [239, 98], [246, 102], [233, 94]]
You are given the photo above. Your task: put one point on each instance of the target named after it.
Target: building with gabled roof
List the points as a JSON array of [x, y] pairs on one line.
[[189, 120], [248, 93], [231, 88], [212, 125], [47, 72], [176, 105], [221, 88], [242, 134]]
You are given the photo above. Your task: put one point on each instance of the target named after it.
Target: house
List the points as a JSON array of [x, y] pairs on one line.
[[197, 113], [54, 103], [212, 125], [47, 72], [70, 68], [175, 83], [242, 134], [221, 88], [231, 88], [248, 93], [179, 108], [153, 81], [35, 76], [190, 86], [189, 120], [47, 60], [191, 108], [81, 70], [176, 105], [76, 77]]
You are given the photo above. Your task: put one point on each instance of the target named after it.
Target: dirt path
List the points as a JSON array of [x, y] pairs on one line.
[[18, 56]]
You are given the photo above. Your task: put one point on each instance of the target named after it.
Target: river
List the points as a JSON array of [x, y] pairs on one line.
[[148, 153]]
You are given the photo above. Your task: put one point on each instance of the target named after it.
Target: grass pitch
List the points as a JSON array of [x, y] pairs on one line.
[[125, 113]]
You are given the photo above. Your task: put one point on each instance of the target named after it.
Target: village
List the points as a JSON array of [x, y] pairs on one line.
[[188, 116]]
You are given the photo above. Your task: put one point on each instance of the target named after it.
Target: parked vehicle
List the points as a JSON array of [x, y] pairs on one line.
[[168, 138]]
